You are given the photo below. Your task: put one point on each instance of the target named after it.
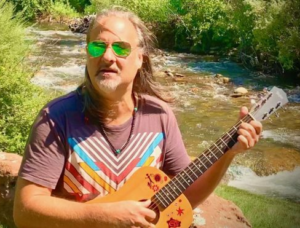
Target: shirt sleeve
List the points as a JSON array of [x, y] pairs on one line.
[[176, 157], [45, 154]]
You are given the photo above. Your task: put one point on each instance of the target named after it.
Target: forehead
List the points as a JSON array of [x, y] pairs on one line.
[[114, 28]]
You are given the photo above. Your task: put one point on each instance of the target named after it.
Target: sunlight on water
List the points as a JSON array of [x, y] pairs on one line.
[[284, 184]]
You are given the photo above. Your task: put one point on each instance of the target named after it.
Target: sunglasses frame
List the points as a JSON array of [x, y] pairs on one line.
[[112, 47]]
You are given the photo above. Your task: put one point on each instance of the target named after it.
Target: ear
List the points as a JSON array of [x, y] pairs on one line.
[[140, 59]]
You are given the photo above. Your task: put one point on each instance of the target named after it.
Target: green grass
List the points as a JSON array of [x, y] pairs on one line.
[[261, 211]]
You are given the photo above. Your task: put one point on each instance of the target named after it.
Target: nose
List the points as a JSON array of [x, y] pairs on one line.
[[108, 55]]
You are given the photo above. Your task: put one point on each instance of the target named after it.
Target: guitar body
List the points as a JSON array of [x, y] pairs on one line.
[[142, 185]]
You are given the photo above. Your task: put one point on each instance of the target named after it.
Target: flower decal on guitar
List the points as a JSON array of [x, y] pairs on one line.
[[173, 223], [154, 181]]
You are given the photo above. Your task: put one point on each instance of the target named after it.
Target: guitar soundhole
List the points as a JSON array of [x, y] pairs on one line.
[[154, 208]]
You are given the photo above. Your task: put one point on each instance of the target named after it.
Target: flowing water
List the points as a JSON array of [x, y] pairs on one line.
[[204, 109]]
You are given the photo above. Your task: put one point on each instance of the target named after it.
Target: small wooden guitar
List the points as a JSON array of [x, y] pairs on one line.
[[172, 207]]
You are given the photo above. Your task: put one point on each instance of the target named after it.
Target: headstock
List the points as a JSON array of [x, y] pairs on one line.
[[269, 104]]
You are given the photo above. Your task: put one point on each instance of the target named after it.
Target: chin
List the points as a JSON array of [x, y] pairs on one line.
[[108, 85]]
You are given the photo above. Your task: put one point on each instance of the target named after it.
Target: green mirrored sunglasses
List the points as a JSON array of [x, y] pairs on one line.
[[120, 48]]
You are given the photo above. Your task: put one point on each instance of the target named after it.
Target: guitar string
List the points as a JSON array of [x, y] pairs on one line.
[[204, 161], [209, 153]]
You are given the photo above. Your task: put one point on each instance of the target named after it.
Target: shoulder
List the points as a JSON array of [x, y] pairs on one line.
[[66, 104], [155, 105]]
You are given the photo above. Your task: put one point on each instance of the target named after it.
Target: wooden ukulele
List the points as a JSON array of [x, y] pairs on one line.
[[171, 206]]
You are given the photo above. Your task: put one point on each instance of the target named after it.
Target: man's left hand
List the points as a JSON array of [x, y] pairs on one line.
[[249, 133]]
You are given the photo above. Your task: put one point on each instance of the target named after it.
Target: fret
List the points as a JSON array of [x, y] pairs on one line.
[[157, 196], [221, 146], [207, 158], [189, 180], [224, 143], [213, 154], [218, 148], [176, 179], [175, 189], [198, 166], [193, 172], [202, 163], [167, 194], [231, 137], [183, 178]]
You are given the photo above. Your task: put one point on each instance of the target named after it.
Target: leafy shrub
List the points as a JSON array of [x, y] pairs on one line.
[[148, 10], [59, 10], [19, 99], [33, 8]]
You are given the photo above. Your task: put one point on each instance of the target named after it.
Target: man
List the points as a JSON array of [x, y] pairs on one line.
[[89, 142]]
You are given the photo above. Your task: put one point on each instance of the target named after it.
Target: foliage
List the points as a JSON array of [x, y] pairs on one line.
[[204, 24], [60, 10], [148, 10], [276, 212], [79, 5], [33, 8], [19, 99], [268, 32]]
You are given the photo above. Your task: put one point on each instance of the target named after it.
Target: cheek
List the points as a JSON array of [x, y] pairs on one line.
[[92, 65], [128, 67]]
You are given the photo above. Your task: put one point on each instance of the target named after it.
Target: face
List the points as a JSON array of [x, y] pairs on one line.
[[109, 72]]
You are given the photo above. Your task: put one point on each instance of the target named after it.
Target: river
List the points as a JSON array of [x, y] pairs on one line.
[[204, 109]]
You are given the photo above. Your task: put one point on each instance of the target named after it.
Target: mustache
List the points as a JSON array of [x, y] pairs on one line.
[[109, 69]]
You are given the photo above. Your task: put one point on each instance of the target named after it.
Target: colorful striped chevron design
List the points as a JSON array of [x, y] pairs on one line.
[[93, 169]]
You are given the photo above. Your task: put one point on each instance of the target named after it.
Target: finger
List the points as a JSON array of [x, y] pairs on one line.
[[243, 112], [243, 142], [257, 126], [250, 129], [249, 141], [146, 203], [146, 224], [148, 212]]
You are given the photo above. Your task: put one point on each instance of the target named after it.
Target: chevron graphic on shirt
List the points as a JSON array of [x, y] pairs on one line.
[[92, 168]]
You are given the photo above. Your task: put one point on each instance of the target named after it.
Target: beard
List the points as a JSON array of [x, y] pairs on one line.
[[108, 84]]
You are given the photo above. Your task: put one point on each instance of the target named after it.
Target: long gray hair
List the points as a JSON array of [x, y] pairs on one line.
[[144, 82]]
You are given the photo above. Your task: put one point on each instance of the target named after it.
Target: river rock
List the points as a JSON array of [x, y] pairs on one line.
[[9, 168], [241, 90], [179, 75], [226, 80], [81, 25], [219, 76], [216, 212], [169, 73]]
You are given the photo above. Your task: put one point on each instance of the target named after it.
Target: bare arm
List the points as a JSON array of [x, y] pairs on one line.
[[248, 136], [35, 207]]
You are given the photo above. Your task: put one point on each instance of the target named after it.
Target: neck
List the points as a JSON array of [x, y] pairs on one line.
[[119, 108]]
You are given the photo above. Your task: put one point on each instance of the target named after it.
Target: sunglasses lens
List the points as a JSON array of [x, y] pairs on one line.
[[121, 49], [96, 48]]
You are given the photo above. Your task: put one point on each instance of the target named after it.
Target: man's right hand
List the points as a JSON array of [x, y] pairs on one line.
[[34, 207], [129, 214]]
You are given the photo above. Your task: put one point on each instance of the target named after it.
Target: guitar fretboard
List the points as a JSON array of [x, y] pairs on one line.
[[171, 191]]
